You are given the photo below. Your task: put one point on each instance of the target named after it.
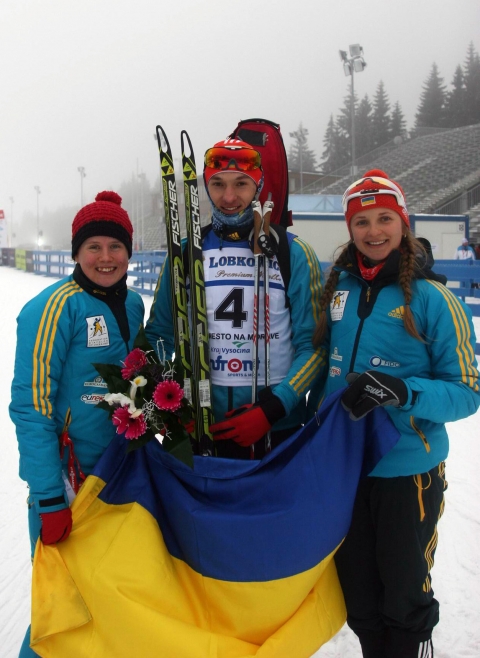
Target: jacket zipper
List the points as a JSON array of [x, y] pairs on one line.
[[420, 433], [359, 331]]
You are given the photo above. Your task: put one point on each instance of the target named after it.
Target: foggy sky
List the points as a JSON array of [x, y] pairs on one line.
[[85, 83]]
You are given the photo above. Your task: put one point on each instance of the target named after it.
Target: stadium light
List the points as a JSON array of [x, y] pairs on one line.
[[82, 173], [351, 65]]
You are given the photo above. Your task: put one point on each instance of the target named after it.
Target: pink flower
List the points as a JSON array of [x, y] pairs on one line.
[[131, 426], [168, 395], [133, 363]]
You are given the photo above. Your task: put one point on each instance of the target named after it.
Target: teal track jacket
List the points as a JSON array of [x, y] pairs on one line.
[[304, 290], [61, 332], [366, 332]]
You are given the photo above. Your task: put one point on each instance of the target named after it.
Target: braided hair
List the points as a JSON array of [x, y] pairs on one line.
[[412, 257]]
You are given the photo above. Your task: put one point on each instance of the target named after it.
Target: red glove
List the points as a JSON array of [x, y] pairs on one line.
[[249, 423], [189, 427], [56, 526]]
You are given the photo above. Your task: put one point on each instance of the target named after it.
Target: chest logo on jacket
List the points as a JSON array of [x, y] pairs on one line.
[[337, 305], [97, 331], [335, 355], [397, 312], [377, 361]]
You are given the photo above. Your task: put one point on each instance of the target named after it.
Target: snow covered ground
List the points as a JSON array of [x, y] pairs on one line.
[[456, 575]]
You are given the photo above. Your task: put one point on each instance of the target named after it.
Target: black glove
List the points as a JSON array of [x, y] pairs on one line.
[[370, 390]]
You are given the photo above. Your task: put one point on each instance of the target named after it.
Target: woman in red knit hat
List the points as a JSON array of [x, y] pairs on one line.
[[88, 317], [400, 340]]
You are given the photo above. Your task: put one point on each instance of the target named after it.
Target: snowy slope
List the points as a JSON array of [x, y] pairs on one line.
[[456, 575]]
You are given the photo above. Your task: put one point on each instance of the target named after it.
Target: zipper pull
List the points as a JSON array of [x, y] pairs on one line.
[[368, 294]]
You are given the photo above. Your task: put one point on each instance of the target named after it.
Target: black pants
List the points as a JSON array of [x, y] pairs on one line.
[[385, 561]]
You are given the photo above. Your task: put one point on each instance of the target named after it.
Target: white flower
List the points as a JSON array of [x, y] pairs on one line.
[[138, 382], [122, 400]]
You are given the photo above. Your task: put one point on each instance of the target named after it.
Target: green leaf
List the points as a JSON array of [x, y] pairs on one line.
[[182, 450], [134, 444], [116, 385], [141, 341], [108, 370], [106, 406]]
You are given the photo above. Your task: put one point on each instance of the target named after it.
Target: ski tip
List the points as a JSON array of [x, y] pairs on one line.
[[185, 137], [162, 139]]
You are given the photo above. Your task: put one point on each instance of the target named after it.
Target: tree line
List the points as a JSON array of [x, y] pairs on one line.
[[377, 121]]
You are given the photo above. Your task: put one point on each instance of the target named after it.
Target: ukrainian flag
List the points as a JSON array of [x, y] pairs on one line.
[[231, 559]]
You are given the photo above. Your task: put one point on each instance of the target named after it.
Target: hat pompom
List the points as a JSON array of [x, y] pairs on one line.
[[376, 172], [113, 197]]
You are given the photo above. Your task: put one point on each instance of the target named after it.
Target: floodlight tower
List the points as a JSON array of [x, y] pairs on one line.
[[142, 177], [82, 173], [351, 65]]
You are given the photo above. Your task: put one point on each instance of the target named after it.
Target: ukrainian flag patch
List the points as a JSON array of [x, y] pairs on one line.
[[368, 201]]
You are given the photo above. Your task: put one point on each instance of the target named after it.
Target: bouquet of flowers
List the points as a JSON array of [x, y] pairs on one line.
[[146, 400]]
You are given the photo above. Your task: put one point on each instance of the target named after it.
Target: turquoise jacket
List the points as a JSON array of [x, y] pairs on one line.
[[304, 290], [61, 333], [366, 332]]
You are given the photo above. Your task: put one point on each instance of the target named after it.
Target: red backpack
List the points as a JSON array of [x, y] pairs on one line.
[[265, 136]]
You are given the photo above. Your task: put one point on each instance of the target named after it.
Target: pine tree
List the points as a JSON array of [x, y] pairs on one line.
[[335, 153], [431, 110], [456, 113], [472, 86], [363, 127], [381, 117], [344, 120], [398, 125], [300, 156]]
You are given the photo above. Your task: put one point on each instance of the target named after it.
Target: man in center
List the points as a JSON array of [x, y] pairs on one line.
[[233, 179]]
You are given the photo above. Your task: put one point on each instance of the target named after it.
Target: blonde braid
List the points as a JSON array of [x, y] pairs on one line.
[[327, 297], [407, 267]]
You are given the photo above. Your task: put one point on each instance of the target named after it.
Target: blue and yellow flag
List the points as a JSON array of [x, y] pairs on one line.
[[231, 559]]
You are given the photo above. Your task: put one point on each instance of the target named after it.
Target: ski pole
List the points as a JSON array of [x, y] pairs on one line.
[[257, 253], [263, 239]]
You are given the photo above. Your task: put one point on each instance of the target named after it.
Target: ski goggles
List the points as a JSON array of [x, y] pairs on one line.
[[393, 190], [221, 158]]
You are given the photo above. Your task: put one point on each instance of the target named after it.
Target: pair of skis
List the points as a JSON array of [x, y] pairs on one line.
[[195, 361], [262, 252]]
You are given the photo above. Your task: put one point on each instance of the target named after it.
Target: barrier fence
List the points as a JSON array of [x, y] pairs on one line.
[[144, 268]]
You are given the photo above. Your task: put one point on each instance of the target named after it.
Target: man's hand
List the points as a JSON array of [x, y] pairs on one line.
[[249, 423]]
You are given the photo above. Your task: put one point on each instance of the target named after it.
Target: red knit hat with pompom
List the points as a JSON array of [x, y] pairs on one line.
[[375, 190], [103, 217]]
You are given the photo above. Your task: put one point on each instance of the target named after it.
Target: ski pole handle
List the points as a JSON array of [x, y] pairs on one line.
[[257, 226], [267, 213], [265, 243]]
